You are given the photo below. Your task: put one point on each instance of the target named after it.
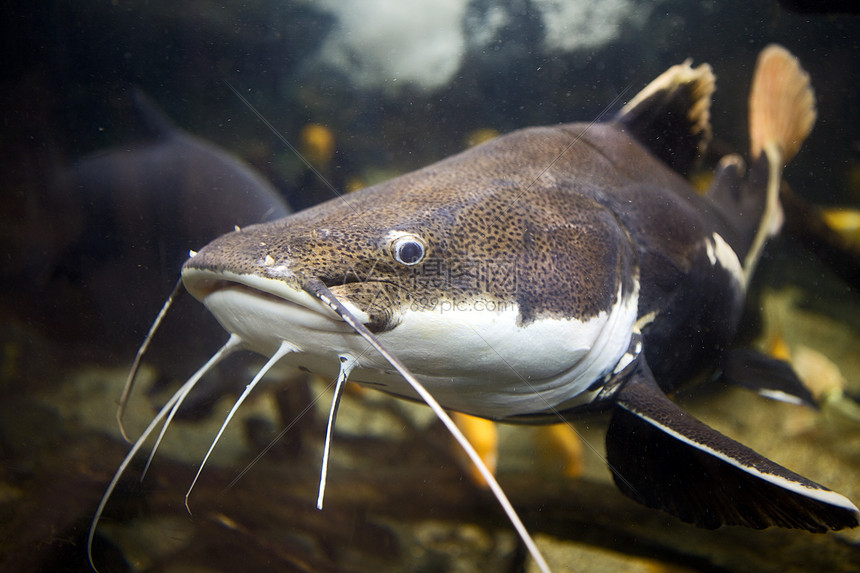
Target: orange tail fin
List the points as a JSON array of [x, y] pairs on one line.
[[782, 112], [782, 104]]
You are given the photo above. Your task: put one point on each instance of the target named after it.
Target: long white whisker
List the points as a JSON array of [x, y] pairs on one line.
[[284, 349], [318, 289], [229, 347], [179, 397], [176, 401], [347, 363], [286, 429], [280, 435], [177, 291]]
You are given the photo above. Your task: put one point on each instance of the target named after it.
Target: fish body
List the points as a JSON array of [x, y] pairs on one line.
[[164, 182], [542, 257], [112, 228], [547, 273]]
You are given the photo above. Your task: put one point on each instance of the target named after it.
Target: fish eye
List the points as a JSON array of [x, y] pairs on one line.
[[408, 250]]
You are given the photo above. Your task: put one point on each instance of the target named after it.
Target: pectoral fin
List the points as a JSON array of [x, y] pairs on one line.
[[664, 458]]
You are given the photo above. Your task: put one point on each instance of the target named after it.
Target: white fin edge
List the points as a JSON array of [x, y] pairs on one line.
[[772, 218], [822, 495]]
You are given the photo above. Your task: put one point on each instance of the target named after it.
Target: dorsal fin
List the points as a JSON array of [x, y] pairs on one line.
[[153, 123], [671, 116]]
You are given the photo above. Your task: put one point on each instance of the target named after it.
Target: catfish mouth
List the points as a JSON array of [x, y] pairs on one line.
[[293, 301]]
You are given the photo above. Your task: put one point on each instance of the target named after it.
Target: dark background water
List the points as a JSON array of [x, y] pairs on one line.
[[71, 65], [69, 73]]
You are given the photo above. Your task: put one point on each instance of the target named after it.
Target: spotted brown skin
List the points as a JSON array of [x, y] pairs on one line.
[[481, 219], [553, 205]]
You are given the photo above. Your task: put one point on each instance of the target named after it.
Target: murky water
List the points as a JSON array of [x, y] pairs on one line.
[[77, 298]]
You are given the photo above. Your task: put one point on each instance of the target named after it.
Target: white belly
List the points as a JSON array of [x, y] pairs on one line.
[[473, 358]]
